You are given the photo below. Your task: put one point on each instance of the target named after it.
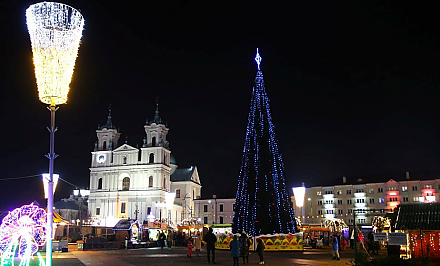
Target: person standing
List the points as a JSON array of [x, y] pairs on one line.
[[162, 238], [190, 248], [197, 244], [210, 240], [335, 250], [245, 244], [235, 246], [170, 237], [260, 250]]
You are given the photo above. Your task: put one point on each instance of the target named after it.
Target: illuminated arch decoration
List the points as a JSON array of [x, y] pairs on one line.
[[22, 232]]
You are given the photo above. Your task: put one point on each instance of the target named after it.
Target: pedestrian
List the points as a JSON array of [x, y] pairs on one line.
[[235, 246], [335, 250], [197, 244], [170, 237], [245, 244], [260, 250], [190, 248], [162, 238], [210, 240], [344, 244]]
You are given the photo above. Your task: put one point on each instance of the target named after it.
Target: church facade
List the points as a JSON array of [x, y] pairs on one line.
[[140, 183]]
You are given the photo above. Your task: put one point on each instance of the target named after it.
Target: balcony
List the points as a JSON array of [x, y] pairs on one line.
[[360, 205], [360, 194], [393, 193], [329, 206]]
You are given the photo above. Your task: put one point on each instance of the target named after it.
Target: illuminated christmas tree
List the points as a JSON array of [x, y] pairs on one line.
[[262, 204]]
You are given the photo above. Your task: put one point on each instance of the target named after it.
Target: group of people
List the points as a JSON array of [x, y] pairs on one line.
[[240, 248]]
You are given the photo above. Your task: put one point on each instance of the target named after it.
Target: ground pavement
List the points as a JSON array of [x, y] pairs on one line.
[[177, 256]]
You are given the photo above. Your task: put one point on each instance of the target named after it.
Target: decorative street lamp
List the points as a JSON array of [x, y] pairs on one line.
[[299, 193], [55, 31]]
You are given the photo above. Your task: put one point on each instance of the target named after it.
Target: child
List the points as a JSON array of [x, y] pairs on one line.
[[235, 246], [260, 250], [344, 244], [190, 248]]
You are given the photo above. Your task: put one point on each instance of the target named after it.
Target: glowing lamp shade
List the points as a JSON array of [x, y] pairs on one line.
[[55, 31], [169, 199], [299, 193], [46, 178]]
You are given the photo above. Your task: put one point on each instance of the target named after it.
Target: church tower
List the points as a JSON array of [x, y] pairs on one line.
[[108, 137]]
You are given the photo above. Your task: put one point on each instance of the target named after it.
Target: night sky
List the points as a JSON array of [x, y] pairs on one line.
[[354, 89]]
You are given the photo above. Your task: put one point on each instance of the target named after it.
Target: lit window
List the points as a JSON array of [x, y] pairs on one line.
[[339, 192], [318, 193], [405, 188], [381, 200], [371, 191]]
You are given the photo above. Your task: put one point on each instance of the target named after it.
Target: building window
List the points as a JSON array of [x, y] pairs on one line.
[[319, 202], [126, 183], [361, 221], [123, 207], [221, 207], [148, 210], [380, 190], [124, 160], [100, 183], [221, 219], [205, 208], [350, 211], [359, 190], [320, 212], [164, 183], [350, 221], [318, 193], [205, 220], [328, 211], [98, 211], [405, 188], [348, 191], [349, 202], [393, 199], [151, 159], [178, 193], [405, 199], [371, 200], [360, 200], [329, 192], [371, 191], [414, 188], [392, 189], [340, 211], [415, 199], [339, 192], [427, 186], [381, 200], [339, 202], [328, 202]]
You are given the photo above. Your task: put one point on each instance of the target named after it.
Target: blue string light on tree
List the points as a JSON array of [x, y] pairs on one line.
[[262, 201]]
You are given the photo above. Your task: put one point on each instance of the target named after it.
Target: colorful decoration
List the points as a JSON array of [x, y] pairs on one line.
[[55, 30], [22, 232], [335, 225], [263, 205], [277, 242]]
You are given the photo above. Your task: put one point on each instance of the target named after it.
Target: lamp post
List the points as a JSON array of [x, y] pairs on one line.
[[299, 193], [55, 30]]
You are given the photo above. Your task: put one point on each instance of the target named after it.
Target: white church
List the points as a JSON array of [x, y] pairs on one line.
[[139, 183]]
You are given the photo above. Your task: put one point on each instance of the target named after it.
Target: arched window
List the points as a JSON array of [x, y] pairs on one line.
[[126, 183], [150, 181], [124, 160], [104, 145], [151, 158], [100, 183], [153, 141]]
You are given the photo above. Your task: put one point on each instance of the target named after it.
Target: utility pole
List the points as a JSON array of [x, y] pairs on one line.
[[355, 238]]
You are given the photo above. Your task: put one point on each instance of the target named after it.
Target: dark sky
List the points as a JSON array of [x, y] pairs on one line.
[[354, 89]]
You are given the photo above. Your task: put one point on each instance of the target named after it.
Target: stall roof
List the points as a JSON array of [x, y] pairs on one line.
[[422, 216], [124, 225]]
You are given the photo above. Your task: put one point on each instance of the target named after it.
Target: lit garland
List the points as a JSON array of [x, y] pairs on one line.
[[22, 232], [262, 202], [335, 225], [55, 31]]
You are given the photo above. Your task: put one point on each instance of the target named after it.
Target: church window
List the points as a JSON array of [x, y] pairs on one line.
[[178, 193], [165, 159], [221, 207], [104, 145], [126, 183], [140, 156], [124, 160], [149, 210], [153, 141], [123, 207], [100, 183], [98, 211], [205, 220], [205, 208], [151, 158], [221, 219], [150, 181], [164, 183]]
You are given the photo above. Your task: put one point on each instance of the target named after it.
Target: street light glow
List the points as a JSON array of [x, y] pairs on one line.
[[55, 31], [299, 193]]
